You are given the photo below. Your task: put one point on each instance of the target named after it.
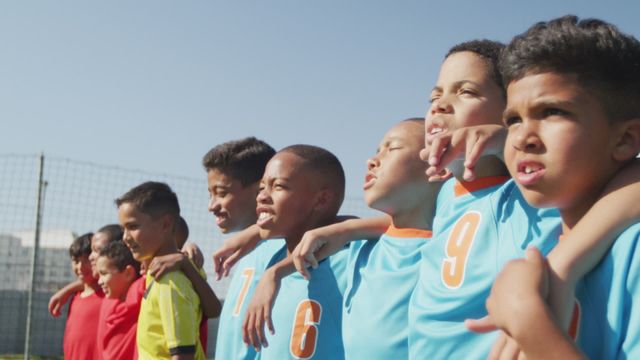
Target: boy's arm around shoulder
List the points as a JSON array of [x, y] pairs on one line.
[[60, 298], [587, 243], [320, 243], [234, 248]]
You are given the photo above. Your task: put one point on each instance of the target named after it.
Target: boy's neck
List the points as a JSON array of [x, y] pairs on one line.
[[168, 247], [90, 288], [486, 166], [421, 216]]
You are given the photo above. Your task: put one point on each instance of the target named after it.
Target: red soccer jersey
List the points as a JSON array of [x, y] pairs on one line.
[[80, 332], [118, 322]]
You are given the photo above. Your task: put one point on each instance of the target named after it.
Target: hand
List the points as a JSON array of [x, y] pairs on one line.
[[60, 298], [520, 284], [193, 252], [259, 311], [233, 249], [471, 142], [505, 348], [314, 246], [161, 265], [57, 301]]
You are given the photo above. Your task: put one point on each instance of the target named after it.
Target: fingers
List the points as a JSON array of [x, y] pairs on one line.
[[496, 350], [259, 329], [533, 255], [229, 262], [437, 148], [510, 350], [217, 266], [482, 325], [54, 306]]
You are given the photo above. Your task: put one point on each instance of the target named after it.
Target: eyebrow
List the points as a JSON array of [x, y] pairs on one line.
[[456, 84]]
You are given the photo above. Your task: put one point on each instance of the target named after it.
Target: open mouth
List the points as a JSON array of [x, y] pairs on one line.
[[369, 180], [529, 173], [265, 217]]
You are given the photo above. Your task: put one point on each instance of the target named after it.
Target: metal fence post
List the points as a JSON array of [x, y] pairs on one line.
[[34, 257]]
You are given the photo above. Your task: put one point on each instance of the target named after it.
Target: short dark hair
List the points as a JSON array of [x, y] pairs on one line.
[[324, 163], [243, 159], [489, 51], [119, 255], [114, 232], [605, 60], [81, 246], [152, 198]]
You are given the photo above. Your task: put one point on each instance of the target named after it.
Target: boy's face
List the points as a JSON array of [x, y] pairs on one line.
[[143, 234], [559, 143], [83, 270], [98, 241], [396, 175], [285, 198], [114, 283], [465, 95], [232, 204]]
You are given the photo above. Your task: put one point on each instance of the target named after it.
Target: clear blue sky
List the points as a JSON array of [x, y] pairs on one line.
[[154, 84]]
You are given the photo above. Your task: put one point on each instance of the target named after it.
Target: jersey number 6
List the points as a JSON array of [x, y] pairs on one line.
[[304, 336]]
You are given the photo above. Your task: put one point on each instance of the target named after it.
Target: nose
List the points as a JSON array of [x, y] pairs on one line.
[[525, 137], [263, 196], [441, 105], [373, 162], [214, 204]]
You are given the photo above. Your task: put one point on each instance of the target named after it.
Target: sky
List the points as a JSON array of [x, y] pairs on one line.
[[153, 85]]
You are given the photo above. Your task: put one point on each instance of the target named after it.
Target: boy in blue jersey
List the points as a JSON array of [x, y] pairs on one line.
[[573, 118], [303, 188], [480, 224], [382, 274], [234, 170], [456, 275]]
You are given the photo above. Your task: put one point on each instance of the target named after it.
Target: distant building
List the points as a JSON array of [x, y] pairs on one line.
[[54, 268]]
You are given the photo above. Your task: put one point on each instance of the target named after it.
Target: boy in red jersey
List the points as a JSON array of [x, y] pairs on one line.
[[80, 330]]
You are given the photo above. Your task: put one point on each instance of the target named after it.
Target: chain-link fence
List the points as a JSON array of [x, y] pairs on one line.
[[76, 197]]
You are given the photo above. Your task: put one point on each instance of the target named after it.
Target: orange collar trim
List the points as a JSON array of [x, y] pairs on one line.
[[408, 233], [463, 188]]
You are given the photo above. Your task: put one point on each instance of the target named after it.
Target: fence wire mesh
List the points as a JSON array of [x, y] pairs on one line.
[[78, 197]]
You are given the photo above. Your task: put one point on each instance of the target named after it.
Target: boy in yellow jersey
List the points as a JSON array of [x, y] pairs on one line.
[[170, 312]]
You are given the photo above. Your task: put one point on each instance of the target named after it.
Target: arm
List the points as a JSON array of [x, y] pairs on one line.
[[517, 306], [60, 298], [320, 243], [160, 265], [259, 309], [234, 248], [591, 238]]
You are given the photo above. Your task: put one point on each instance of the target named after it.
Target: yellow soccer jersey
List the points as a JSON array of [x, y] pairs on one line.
[[169, 318]]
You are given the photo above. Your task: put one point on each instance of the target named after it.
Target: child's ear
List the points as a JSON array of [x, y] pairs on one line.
[[324, 198], [167, 222], [628, 143], [130, 272]]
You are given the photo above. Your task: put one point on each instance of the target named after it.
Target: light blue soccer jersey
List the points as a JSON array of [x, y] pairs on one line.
[[480, 226], [382, 276], [609, 298], [249, 269], [307, 315]]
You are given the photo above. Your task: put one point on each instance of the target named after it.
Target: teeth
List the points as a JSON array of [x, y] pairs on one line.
[[530, 169], [263, 216], [435, 130]]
